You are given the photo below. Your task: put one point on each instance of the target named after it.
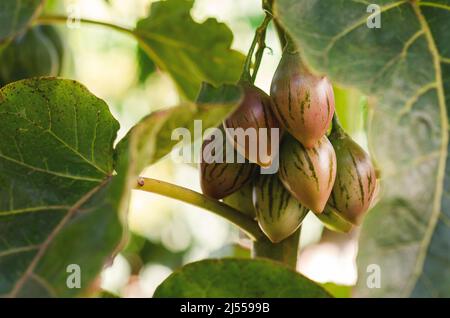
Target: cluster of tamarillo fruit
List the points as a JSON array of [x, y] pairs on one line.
[[320, 170]]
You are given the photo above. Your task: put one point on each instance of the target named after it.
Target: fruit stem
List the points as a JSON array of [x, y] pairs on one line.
[[285, 252], [247, 224], [258, 39], [268, 7], [337, 129]]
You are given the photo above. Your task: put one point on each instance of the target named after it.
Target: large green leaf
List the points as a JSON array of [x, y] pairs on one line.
[[59, 200], [38, 52], [151, 138], [238, 278], [191, 52], [405, 65], [146, 66], [16, 15]]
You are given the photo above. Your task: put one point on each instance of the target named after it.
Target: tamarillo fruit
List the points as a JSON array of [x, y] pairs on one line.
[[356, 181], [303, 102], [278, 213], [242, 201], [255, 111], [308, 173], [220, 179]]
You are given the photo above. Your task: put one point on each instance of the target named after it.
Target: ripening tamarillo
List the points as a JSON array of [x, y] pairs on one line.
[[308, 173], [330, 175], [242, 200], [255, 112], [278, 213], [303, 102], [356, 182], [219, 178]]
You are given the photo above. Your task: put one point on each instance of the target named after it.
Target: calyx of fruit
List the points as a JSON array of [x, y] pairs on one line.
[[308, 173], [356, 181], [278, 213], [220, 179], [258, 144], [333, 220], [303, 102]]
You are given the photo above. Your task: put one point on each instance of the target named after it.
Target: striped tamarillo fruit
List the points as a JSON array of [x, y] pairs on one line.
[[308, 173], [278, 213], [242, 201], [356, 181], [303, 102], [254, 112], [219, 178]]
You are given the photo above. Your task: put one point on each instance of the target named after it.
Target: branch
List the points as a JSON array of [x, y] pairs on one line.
[[247, 224], [285, 251], [259, 39], [51, 19]]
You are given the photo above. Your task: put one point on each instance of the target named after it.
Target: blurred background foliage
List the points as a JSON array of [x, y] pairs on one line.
[[167, 234]]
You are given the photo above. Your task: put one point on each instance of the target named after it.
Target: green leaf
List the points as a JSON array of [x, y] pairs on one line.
[[190, 52], [140, 251], [38, 52], [59, 203], [338, 291], [151, 138], [238, 278], [405, 65], [16, 15], [231, 250], [145, 65]]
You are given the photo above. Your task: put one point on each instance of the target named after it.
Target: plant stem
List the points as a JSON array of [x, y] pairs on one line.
[[140, 38], [281, 35], [285, 252], [261, 38], [258, 39], [51, 19], [247, 224]]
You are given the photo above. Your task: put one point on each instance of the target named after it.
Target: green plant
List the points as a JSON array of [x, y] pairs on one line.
[[65, 181]]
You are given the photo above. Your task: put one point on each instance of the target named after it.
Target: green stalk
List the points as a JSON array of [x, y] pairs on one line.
[[258, 40], [337, 129], [52, 19], [285, 252], [247, 224]]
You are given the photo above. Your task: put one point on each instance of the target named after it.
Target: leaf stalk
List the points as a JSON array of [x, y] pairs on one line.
[[247, 224]]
